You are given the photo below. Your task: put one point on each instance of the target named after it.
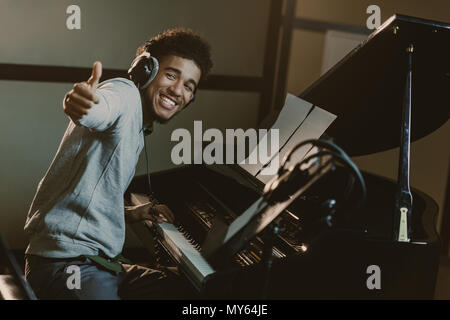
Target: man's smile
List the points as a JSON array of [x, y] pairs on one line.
[[167, 102]]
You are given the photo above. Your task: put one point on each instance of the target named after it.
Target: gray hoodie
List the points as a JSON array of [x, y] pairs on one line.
[[78, 208]]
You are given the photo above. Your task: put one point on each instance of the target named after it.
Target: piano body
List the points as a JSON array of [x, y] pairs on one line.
[[333, 266], [310, 259]]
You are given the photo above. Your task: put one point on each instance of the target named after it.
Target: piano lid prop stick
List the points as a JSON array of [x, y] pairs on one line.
[[403, 198]]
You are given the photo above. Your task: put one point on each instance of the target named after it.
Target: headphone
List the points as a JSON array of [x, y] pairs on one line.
[[144, 69]]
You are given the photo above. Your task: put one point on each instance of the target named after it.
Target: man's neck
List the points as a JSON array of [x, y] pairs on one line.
[[147, 117]]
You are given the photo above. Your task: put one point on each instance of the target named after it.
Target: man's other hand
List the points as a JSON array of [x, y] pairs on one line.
[[148, 211], [82, 97]]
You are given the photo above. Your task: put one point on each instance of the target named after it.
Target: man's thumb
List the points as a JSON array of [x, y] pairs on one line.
[[96, 74]]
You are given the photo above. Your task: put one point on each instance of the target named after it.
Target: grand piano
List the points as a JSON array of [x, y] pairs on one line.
[[313, 260]]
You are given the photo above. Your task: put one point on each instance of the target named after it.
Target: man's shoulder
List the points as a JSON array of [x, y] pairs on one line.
[[119, 83], [123, 98], [122, 91]]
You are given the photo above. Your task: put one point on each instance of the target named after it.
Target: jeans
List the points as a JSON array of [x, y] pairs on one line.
[[54, 279]]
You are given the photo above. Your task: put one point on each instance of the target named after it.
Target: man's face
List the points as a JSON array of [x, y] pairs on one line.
[[172, 88]]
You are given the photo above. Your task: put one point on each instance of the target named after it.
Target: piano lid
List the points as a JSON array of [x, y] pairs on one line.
[[366, 88]]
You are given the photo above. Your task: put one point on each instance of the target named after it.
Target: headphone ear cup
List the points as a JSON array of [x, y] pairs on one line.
[[143, 70], [151, 70]]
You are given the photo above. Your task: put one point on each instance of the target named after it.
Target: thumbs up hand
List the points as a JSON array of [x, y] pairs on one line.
[[95, 76], [82, 97]]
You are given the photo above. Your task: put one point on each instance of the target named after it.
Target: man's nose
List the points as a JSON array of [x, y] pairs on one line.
[[177, 88]]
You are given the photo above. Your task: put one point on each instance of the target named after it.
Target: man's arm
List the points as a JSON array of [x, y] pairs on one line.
[[91, 107], [149, 211]]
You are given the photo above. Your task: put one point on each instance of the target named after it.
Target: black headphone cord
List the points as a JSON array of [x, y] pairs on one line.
[[150, 192]]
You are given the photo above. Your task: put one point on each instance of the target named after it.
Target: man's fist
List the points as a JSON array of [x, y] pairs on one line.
[[82, 97]]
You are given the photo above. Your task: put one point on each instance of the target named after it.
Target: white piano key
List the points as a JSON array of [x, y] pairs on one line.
[[185, 252]]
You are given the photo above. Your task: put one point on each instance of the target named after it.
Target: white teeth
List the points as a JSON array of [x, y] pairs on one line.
[[168, 101]]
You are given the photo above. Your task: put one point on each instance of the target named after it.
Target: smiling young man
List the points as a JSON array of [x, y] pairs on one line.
[[76, 222], [166, 98]]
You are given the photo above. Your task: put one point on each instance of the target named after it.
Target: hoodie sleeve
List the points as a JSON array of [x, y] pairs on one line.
[[116, 97]]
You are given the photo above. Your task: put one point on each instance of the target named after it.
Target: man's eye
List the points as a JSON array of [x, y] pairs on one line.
[[170, 76], [188, 87]]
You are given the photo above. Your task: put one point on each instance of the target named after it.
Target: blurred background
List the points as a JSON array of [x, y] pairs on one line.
[[280, 46]]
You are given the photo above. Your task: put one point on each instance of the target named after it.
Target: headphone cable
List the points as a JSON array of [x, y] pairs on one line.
[[146, 163]]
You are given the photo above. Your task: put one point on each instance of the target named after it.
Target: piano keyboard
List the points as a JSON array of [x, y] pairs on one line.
[[183, 248], [187, 252]]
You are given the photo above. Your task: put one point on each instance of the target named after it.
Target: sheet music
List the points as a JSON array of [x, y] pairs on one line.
[[299, 120], [312, 128], [291, 116]]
